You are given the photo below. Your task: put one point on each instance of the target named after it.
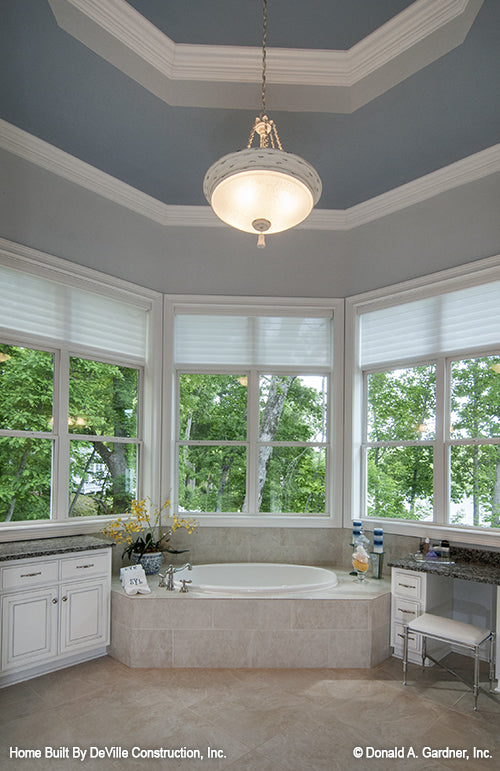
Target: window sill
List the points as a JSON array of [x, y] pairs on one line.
[[266, 520]]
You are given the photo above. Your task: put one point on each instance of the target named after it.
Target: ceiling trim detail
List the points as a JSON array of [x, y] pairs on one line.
[[299, 80], [34, 150]]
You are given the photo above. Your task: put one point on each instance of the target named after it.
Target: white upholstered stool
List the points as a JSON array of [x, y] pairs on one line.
[[455, 632]]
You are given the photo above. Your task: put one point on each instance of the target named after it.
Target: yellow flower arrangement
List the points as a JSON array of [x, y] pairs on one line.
[[142, 531]]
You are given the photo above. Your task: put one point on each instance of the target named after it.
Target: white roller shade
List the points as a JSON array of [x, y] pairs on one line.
[[464, 319], [253, 340], [35, 305]]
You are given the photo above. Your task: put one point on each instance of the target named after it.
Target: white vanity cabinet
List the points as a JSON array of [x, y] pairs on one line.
[[55, 611], [415, 593]]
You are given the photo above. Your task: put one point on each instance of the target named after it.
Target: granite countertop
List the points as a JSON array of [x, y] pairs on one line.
[[42, 547], [479, 571]]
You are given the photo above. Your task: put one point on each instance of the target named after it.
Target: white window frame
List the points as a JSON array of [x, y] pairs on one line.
[[399, 443], [38, 263], [273, 306], [439, 283]]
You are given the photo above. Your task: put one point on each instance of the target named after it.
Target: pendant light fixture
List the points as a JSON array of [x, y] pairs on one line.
[[262, 189]]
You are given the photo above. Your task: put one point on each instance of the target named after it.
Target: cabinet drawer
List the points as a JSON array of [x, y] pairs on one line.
[[29, 574], [398, 636], [404, 611], [407, 585], [85, 566]]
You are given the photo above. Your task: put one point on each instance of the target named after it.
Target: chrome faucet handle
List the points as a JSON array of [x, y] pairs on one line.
[[162, 579], [184, 588]]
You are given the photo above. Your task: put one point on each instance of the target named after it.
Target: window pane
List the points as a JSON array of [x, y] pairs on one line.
[[26, 388], [402, 404], [475, 485], [213, 407], [399, 482], [212, 479], [294, 480], [102, 399], [293, 408], [103, 477], [25, 479], [475, 398]]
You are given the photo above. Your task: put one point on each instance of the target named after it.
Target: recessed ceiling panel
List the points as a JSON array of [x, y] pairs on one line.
[[328, 24], [57, 89]]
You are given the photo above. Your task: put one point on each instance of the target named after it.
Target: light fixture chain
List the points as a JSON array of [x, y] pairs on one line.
[[264, 55], [276, 135], [283, 187]]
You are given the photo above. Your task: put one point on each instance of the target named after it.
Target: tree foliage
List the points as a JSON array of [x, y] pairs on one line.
[[289, 410], [401, 407], [102, 402], [213, 477], [401, 427], [475, 411], [26, 397]]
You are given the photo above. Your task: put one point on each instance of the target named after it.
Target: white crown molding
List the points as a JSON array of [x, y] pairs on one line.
[[34, 150], [474, 167], [15, 255], [323, 81]]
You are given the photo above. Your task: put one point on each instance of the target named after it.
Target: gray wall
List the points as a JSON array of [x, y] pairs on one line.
[[46, 212]]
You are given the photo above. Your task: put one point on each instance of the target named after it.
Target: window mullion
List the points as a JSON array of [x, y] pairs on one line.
[[60, 470], [253, 416], [441, 477]]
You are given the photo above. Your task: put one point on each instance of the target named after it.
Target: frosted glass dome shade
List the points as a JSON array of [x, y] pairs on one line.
[[262, 189]]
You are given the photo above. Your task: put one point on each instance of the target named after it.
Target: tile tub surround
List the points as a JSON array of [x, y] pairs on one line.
[[344, 627], [301, 546]]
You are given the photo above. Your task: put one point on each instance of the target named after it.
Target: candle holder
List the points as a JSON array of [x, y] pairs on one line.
[[377, 563]]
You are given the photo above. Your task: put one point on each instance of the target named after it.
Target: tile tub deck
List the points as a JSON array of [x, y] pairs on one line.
[[344, 627]]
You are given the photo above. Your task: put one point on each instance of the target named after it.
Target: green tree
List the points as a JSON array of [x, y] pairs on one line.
[[213, 408], [401, 408], [212, 477], [102, 402], [475, 415], [26, 396], [291, 479]]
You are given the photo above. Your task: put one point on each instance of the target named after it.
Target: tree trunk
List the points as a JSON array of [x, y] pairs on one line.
[[82, 483], [116, 461], [22, 464], [226, 468], [278, 391]]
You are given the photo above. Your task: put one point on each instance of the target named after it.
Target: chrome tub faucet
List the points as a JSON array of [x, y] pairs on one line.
[[167, 578]]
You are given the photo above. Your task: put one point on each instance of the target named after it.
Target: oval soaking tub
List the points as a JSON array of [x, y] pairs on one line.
[[256, 578]]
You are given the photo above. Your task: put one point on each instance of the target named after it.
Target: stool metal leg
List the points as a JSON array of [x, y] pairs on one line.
[[492, 660], [405, 655], [476, 676], [424, 650]]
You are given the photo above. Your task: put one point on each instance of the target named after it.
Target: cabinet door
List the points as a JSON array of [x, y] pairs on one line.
[[84, 615], [29, 622]]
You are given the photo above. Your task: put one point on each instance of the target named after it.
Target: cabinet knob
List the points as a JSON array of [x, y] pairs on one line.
[[54, 601], [64, 599]]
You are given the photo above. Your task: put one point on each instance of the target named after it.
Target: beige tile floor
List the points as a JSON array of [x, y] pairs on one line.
[[304, 719]]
